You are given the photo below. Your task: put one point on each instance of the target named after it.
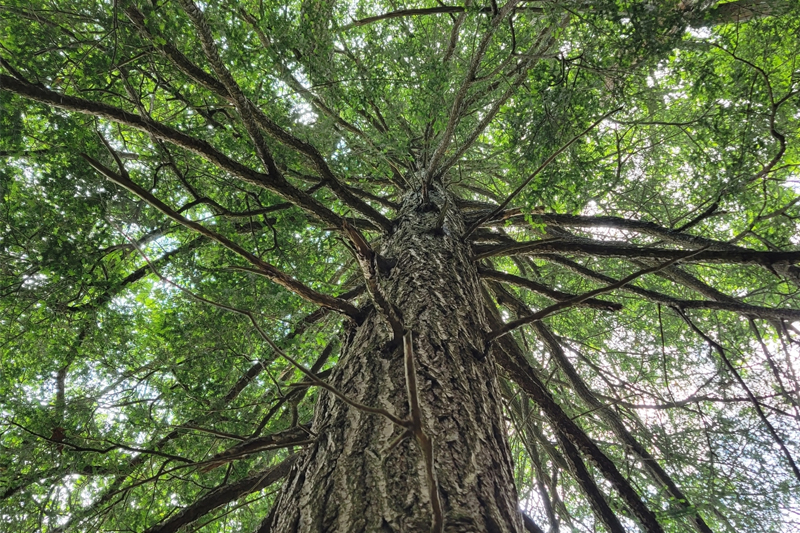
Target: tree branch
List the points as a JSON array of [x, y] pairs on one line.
[[627, 251], [274, 183], [224, 495], [251, 117], [295, 436], [263, 268], [572, 438], [545, 291], [565, 304], [654, 469], [369, 262], [767, 313]]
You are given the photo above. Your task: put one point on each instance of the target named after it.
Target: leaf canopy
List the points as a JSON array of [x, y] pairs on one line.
[[118, 384]]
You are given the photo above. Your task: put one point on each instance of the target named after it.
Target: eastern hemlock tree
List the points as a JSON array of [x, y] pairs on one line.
[[330, 266]]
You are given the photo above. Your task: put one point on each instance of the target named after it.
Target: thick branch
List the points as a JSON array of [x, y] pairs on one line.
[[369, 262], [552, 294], [263, 268], [616, 223], [732, 12], [742, 11], [600, 249], [224, 495], [107, 295], [274, 183], [282, 439]]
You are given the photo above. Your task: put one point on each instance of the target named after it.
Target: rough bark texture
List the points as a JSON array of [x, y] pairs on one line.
[[348, 481]]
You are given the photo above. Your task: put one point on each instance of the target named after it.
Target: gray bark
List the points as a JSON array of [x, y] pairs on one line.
[[348, 481]]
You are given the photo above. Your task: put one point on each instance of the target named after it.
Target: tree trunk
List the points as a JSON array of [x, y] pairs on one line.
[[348, 480]]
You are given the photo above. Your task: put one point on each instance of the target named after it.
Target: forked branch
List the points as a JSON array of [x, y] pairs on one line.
[[275, 183]]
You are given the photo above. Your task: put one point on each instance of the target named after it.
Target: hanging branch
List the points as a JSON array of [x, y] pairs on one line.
[[521, 416], [571, 437], [614, 421], [657, 473], [415, 428], [753, 400], [371, 264]]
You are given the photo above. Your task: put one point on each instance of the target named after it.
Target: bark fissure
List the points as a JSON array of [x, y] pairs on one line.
[[356, 477]]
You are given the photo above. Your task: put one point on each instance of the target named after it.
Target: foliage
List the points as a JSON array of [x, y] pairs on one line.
[[117, 381]]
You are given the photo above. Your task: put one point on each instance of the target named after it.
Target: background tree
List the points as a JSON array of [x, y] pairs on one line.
[[427, 264]]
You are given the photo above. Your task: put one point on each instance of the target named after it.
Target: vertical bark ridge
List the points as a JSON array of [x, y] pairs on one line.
[[347, 481]]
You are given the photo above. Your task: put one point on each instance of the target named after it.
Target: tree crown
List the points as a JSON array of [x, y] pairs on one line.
[[181, 182]]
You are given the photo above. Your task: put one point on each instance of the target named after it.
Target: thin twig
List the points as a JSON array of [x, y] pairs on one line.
[[756, 404]]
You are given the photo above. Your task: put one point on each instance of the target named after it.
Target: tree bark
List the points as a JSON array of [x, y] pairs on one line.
[[349, 479]]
